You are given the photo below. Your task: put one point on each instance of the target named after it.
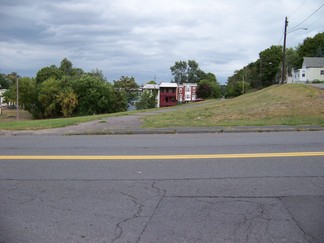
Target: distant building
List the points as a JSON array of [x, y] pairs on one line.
[[187, 92], [312, 69], [170, 94], [153, 87], [1, 97]]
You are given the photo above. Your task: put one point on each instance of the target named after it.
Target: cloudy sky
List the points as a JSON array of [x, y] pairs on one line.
[[143, 38]]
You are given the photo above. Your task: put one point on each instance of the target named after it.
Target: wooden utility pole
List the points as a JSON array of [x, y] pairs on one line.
[[283, 74], [17, 100]]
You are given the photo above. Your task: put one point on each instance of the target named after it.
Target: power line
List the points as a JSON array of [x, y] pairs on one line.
[[295, 27], [291, 15], [298, 9]]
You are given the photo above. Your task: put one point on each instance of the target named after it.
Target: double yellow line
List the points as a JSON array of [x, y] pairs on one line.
[[160, 157]]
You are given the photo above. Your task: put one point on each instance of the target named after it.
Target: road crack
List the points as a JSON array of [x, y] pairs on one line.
[[162, 194], [119, 229]]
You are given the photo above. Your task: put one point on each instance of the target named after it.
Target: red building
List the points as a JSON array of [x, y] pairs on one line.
[[168, 94]]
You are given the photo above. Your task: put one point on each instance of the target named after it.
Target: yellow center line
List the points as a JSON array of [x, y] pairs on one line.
[[159, 157]]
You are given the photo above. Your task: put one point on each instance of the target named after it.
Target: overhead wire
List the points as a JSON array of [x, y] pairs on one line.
[[291, 15], [297, 9], [295, 27]]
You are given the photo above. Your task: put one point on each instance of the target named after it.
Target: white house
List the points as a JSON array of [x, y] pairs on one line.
[[151, 88], [187, 92], [1, 97], [312, 69]]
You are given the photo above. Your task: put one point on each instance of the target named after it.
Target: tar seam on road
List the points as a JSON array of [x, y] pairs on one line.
[[160, 157]]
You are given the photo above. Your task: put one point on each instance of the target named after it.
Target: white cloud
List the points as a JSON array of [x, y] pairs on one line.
[[143, 38]]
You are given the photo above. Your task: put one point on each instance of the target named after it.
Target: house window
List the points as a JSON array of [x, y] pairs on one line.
[[303, 75], [180, 91], [322, 72]]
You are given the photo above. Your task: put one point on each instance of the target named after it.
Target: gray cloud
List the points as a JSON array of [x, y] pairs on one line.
[[143, 38]]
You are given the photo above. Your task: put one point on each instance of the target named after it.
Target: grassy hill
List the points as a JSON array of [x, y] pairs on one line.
[[289, 104]]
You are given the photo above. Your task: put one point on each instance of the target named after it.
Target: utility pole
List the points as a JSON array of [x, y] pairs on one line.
[[283, 74], [17, 100], [243, 85]]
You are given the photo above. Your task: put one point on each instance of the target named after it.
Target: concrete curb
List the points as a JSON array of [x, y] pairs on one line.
[[183, 130], [178, 130]]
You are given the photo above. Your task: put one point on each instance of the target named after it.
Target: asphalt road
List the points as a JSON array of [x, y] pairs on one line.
[[98, 189]]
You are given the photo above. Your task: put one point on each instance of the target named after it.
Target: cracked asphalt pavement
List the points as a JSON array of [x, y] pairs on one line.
[[152, 211], [193, 200]]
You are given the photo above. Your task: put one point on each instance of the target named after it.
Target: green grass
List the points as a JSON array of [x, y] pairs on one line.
[[289, 104], [12, 124]]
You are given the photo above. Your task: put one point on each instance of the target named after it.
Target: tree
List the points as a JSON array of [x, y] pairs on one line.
[[48, 72], [4, 82], [270, 60], [179, 71], [127, 85], [95, 96], [236, 89], [66, 67], [27, 94], [120, 101], [193, 68], [208, 89], [68, 101], [292, 59], [147, 100], [49, 107], [186, 72], [311, 47]]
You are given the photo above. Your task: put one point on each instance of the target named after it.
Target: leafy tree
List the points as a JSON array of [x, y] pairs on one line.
[[311, 47], [179, 71], [127, 85], [27, 94], [236, 89], [119, 101], [10, 94], [47, 73], [270, 60], [147, 101], [186, 72], [95, 96], [208, 89], [292, 59], [49, 106], [4, 81], [193, 68], [66, 67], [68, 101], [151, 82]]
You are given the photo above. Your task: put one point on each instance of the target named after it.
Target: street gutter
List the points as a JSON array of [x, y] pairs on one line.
[[178, 130]]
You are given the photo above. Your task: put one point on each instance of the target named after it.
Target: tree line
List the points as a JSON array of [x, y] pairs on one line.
[[266, 70], [66, 91]]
